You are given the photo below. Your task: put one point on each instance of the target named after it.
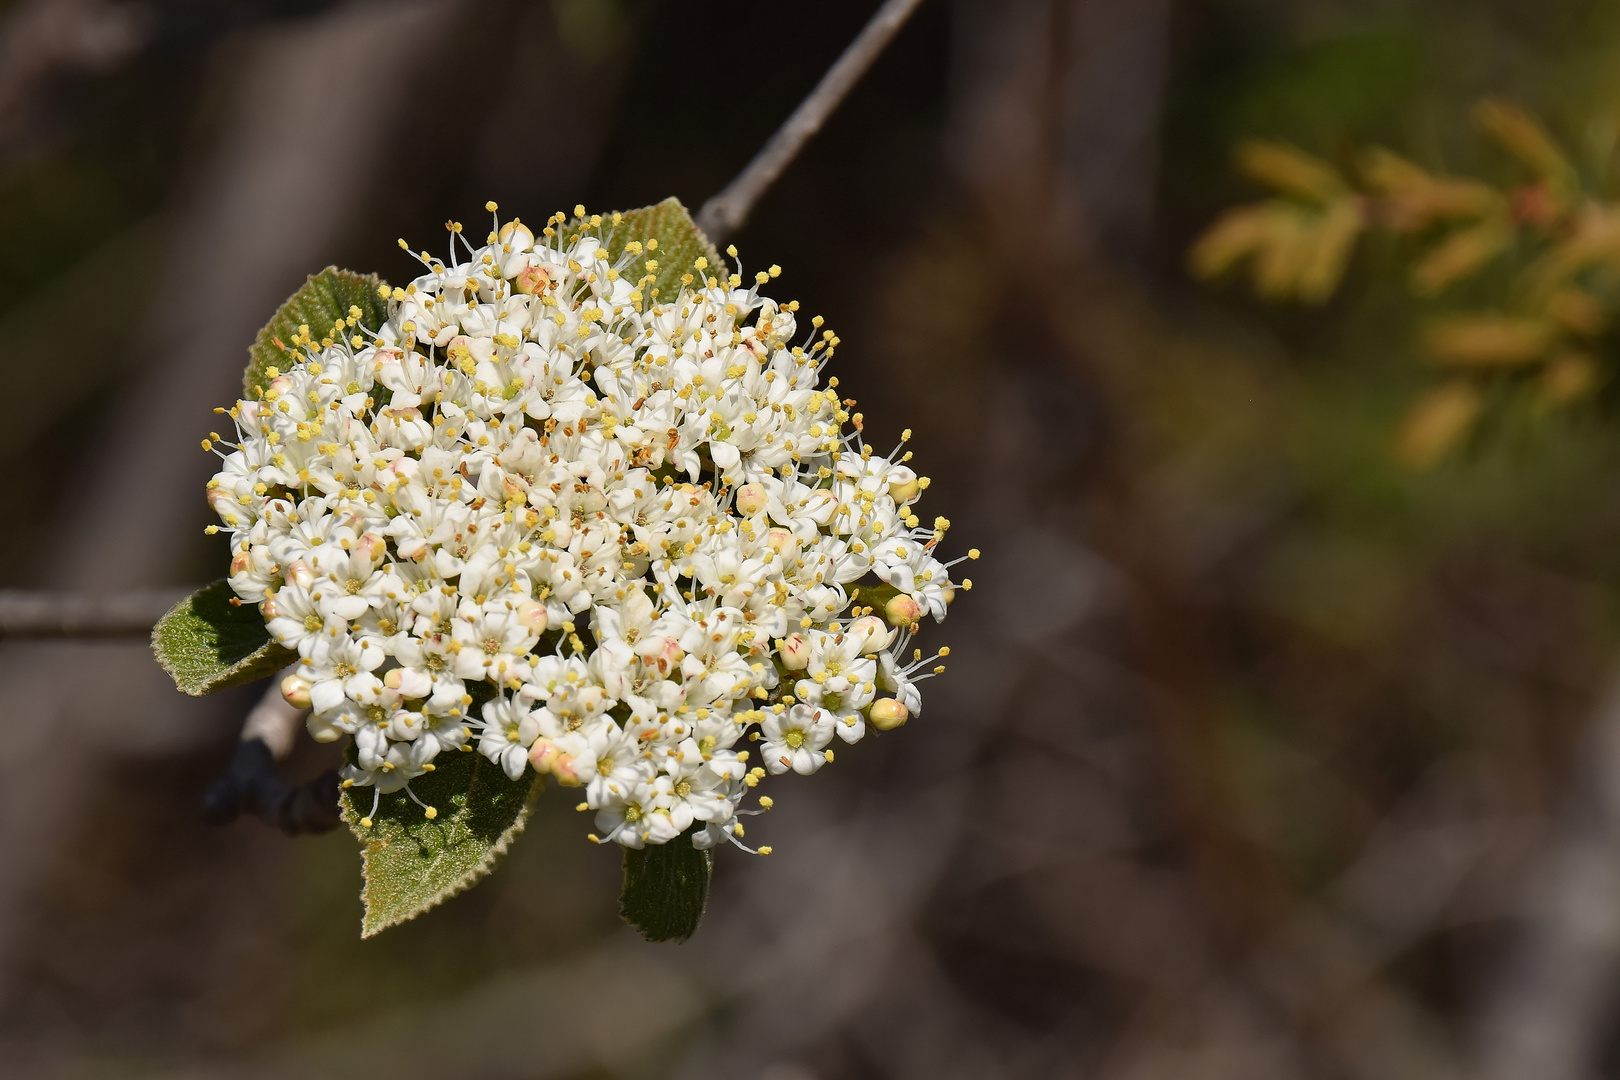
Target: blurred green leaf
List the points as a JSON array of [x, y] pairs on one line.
[[1290, 170], [206, 643], [412, 862], [322, 300], [1487, 340], [1461, 254]]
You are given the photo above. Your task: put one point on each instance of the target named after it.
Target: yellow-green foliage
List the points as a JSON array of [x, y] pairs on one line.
[[1560, 240]]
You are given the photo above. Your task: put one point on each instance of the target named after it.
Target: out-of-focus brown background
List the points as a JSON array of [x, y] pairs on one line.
[[1259, 757]]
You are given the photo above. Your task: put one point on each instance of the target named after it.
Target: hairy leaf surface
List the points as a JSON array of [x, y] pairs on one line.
[[206, 643], [322, 300], [666, 888], [412, 863], [680, 244]]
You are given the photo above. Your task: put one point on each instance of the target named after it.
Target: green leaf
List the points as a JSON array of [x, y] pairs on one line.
[[680, 244], [207, 643], [412, 863], [325, 298], [666, 887]]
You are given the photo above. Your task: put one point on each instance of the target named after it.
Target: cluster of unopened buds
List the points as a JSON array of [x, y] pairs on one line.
[[625, 540]]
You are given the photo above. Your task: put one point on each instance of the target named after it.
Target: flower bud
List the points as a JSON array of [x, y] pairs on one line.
[[903, 485], [751, 499], [543, 754], [794, 651], [562, 767], [517, 236], [532, 613], [322, 729], [530, 280], [409, 682], [780, 540], [902, 610], [298, 573], [296, 691], [240, 563], [223, 503], [887, 714]]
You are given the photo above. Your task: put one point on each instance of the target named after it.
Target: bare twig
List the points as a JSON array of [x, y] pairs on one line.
[[27, 613], [726, 212]]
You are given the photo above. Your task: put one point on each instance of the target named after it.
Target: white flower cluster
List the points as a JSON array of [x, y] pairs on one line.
[[640, 521]]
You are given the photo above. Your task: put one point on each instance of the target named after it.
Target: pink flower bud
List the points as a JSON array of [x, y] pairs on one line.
[[751, 499], [240, 563], [887, 714], [295, 691], [530, 280], [794, 651], [532, 614], [562, 767], [779, 540], [542, 755], [223, 503], [299, 574], [902, 610]]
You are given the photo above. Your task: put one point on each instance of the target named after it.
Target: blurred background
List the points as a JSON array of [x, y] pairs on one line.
[[1262, 754]]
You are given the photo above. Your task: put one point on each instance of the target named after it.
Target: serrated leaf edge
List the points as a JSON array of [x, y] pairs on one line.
[[226, 678], [485, 867], [370, 282]]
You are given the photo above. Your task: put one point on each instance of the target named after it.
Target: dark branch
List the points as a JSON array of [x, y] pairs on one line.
[[251, 786], [26, 613], [724, 214]]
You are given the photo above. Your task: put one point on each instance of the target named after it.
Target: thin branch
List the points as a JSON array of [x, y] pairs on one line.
[[27, 613], [726, 212]]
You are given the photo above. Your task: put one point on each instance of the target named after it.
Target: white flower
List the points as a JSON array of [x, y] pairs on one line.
[[508, 730], [642, 524], [795, 739]]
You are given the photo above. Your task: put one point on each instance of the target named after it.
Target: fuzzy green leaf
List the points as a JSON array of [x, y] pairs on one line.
[[322, 300], [412, 863], [206, 643], [666, 888], [680, 244]]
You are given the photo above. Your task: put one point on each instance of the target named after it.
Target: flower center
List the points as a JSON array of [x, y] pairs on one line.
[[352, 586], [683, 789], [433, 662], [491, 645], [794, 739], [343, 671], [313, 622]]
